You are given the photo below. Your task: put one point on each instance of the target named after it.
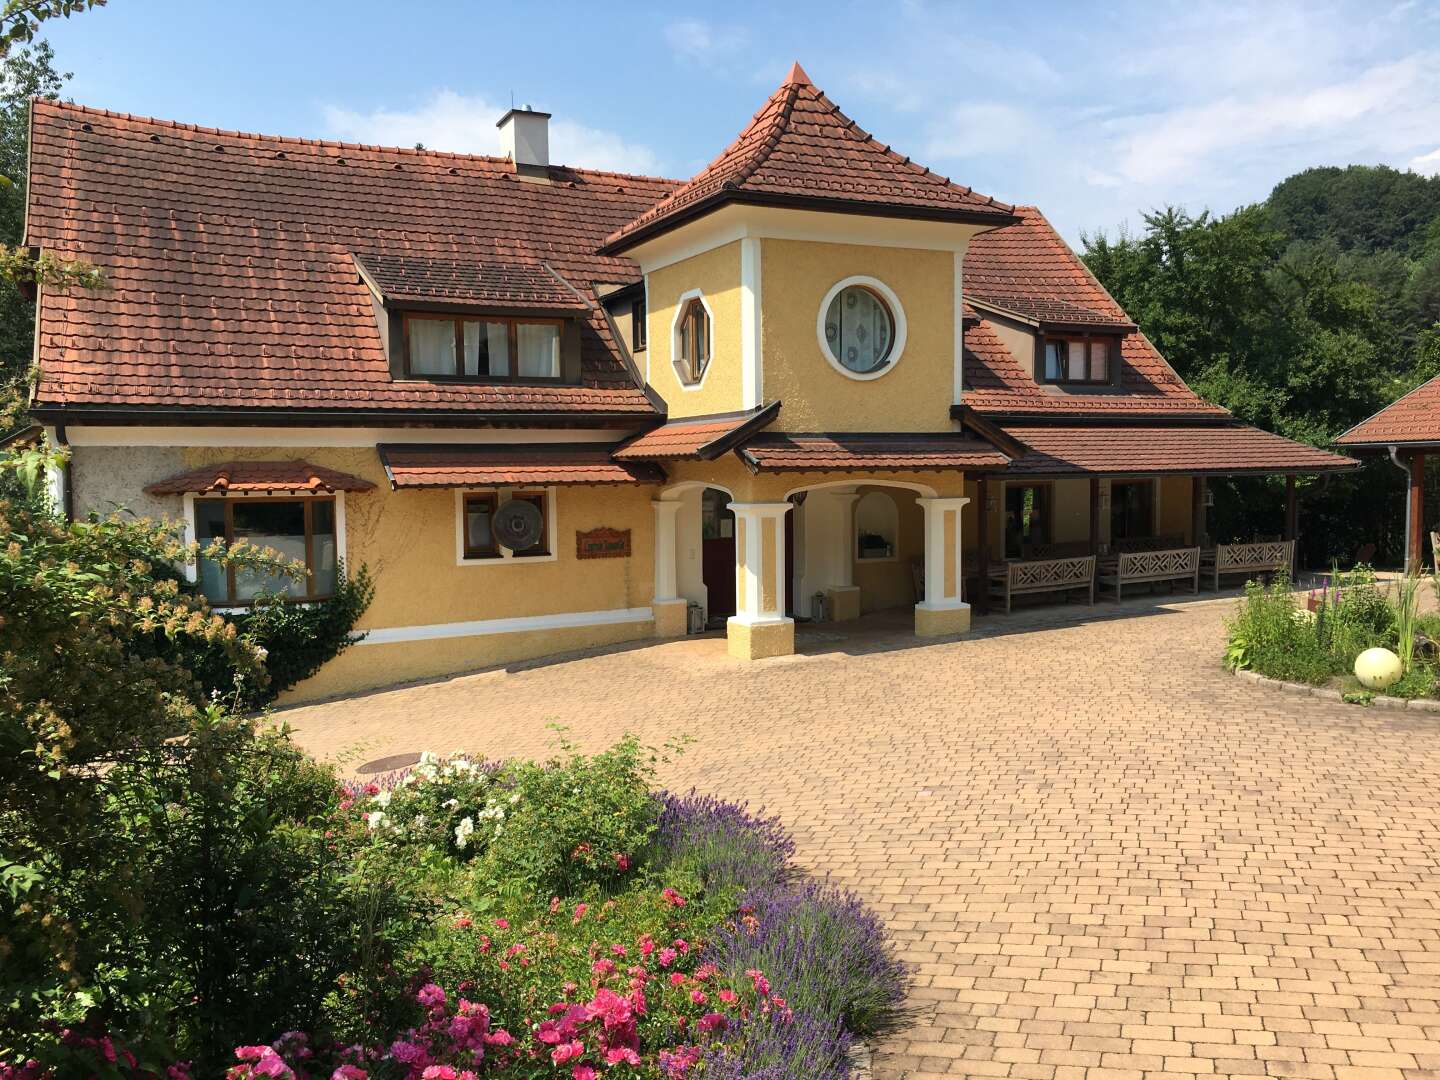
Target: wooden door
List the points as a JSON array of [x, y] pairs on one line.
[[717, 553]]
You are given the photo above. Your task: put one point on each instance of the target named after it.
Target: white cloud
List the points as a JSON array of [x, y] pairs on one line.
[[981, 129], [701, 41], [1429, 164], [466, 124]]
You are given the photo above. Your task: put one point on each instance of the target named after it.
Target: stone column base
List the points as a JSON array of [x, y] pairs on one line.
[[941, 621], [672, 618], [758, 641], [844, 602]]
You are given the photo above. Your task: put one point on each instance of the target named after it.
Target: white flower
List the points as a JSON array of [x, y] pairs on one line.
[[261, 653], [374, 818], [463, 832], [451, 804], [383, 799], [419, 821], [514, 798], [427, 758]]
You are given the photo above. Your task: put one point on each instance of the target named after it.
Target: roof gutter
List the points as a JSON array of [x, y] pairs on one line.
[[1395, 460], [292, 417]]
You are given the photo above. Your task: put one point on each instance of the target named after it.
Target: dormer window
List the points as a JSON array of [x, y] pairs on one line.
[[1081, 360], [692, 341], [481, 349]]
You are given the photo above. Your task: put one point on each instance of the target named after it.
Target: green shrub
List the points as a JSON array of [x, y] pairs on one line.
[[1271, 634], [246, 900]]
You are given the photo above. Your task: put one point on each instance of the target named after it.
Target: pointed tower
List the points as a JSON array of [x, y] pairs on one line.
[[801, 152]]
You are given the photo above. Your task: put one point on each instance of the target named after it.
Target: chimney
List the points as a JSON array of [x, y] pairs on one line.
[[525, 140]]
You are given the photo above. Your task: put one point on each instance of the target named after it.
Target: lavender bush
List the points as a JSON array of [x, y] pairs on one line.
[[825, 953]]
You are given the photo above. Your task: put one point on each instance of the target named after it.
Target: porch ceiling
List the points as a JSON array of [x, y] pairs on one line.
[[1188, 450]]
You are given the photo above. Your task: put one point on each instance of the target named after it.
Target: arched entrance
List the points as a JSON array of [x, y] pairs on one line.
[[717, 554]]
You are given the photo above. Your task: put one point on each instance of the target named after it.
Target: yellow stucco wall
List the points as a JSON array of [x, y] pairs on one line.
[[1176, 499], [914, 394], [888, 583], [716, 273]]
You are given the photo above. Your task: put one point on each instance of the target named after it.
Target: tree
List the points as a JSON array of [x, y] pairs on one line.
[[20, 19]]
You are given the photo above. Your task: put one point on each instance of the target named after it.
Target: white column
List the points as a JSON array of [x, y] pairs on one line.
[[943, 573], [760, 582], [845, 503], [665, 559]]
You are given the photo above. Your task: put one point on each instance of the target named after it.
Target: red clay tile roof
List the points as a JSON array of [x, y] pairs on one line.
[[700, 437], [233, 282], [800, 148], [489, 284], [1414, 418], [258, 477], [1220, 449], [1028, 268], [786, 452], [1049, 312], [488, 465]]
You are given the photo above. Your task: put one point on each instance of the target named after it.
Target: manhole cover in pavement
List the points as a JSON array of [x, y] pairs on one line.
[[389, 764]]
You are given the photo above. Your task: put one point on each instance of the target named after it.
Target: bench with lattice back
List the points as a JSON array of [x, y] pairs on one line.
[[1267, 557], [1140, 567], [1043, 576]]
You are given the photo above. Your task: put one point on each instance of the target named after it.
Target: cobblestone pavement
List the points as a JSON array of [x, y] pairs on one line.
[[1103, 857]]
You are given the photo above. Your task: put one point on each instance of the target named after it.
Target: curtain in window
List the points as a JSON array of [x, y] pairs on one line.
[[1099, 361], [432, 347], [1054, 361], [210, 526], [478, 536], [324, 563], [538, 345]]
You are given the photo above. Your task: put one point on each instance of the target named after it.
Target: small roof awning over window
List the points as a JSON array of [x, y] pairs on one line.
[[1181, 449], [777, 452], [702, 438], [259, 478], [493, 283], [504, 464]]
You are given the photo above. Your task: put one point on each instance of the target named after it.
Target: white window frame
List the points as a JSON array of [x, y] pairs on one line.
[[187, 507], [680, 305], [897, 312], [506, 556]]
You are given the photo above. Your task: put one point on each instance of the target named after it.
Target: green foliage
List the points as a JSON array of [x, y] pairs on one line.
[[1272, 635], [240, 890], [1303, 314], [20, 19], [293, 641]]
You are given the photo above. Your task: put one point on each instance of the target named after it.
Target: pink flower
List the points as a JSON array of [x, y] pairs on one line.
[[502, 924], [603, 967], [349, 1072], [667, 956], [698, 997], [677, 978], [407, 1053], [671, 897], [712, 1022], [618, 949], [729, 997], [621, 1054], [439, 1072], [622, 862], [499, 1037], [647, 945], [580, 910], [567, 1052], [582, 1072], [430, 995], [682, 945]]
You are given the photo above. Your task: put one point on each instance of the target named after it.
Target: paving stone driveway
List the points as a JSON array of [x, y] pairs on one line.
[[1103, 857]]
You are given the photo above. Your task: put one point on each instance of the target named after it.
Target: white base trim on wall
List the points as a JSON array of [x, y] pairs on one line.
[[393, 634]]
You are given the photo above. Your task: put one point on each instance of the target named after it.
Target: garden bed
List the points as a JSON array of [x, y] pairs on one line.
[[1309, 640], [525, 920]]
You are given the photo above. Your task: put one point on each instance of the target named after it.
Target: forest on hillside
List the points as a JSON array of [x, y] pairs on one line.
[[1303, 315]]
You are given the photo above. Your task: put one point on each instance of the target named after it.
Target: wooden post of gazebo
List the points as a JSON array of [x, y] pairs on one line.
[[1094, 515], [1415, 542], [1292, 510], [982, 543]]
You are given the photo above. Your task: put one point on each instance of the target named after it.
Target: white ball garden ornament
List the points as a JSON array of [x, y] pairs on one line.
[[1378, 668]]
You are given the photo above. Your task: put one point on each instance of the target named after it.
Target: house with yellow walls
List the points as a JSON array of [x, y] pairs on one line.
[[552, 408]]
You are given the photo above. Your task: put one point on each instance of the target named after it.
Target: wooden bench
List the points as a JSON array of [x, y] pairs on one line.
[[1137, 567], [1013, 579], [1268, 557]]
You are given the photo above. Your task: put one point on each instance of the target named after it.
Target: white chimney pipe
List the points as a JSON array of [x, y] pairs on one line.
[[525, 139]]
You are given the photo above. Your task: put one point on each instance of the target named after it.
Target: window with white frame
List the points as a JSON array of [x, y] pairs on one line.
[[477, 538], [691, 347]]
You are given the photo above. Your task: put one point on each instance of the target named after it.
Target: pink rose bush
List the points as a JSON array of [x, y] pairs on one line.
[[630, 1014]]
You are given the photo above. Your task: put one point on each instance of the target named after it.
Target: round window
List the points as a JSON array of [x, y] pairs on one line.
[[860, 330]]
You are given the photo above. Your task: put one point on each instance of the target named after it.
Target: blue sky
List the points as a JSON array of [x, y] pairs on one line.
[[1093, 112]]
